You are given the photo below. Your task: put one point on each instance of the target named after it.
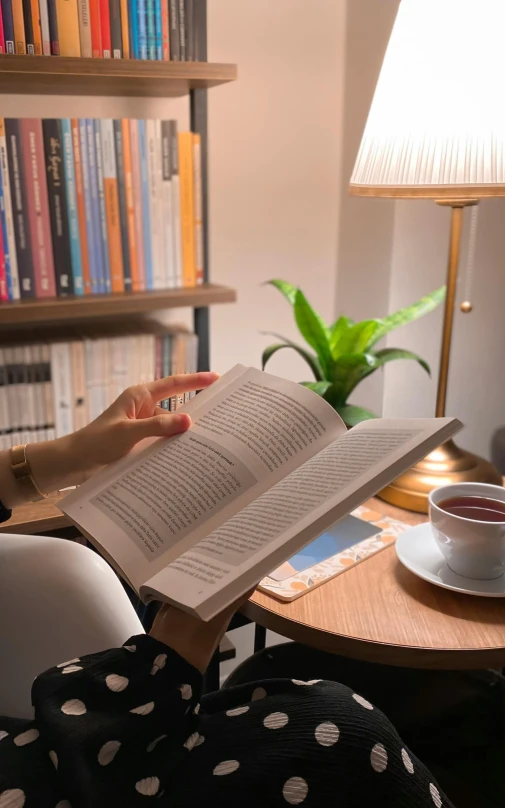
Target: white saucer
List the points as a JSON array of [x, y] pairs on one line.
[[417, 550]]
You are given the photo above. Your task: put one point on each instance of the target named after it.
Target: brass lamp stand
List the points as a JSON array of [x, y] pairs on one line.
[[447, 464]]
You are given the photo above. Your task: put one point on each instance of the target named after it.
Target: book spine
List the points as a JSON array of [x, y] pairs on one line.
[[61, 372], [8, 25], [38, 404], [73, 221], [106, 281], [85, 28], [165, 31], [142, 28], [93, 259], [53, 27], [30, 395], [53, 147], [36, 26], [158, 28], [20, 207], [44, 28], [137, 195], [47, 391], [123, 213], [167, 215], [68, 27], [134, 29], [97, 270], [154, 209], [198, 208], [151, 29], [2, 33], [187, 208], [130, 207], [115, 29], [176, 202], [105, 29], [28, 25], [81, 207], [79, 398], [173, 19], [96, 29], [182, 30], [38, 213], [190, 31], [125, 33], [112, 206], [144, 174], [199, 31], [5, 292], [19, 26], [11, 263]]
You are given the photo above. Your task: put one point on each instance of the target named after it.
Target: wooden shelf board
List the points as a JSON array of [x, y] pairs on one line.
[[90, 306], [63, 75]]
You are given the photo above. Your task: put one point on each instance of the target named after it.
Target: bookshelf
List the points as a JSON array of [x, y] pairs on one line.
[[58, 75]]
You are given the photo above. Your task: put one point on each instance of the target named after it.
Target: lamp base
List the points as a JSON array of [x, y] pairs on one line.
[[444, 466]]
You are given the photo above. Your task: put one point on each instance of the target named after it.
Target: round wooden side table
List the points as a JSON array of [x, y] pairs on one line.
[[378, 611]]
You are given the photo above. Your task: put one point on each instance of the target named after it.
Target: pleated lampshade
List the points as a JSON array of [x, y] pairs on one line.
[[436, 127]]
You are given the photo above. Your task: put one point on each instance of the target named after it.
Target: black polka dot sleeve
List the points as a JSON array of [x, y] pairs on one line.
[[117, 725]]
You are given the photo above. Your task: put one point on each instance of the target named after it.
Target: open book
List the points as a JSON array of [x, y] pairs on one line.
[[267, 466]]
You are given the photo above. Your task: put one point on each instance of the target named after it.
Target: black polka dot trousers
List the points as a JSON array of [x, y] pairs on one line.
[[126, 728]]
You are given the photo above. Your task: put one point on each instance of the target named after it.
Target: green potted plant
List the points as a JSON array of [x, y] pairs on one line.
[[343, 354]]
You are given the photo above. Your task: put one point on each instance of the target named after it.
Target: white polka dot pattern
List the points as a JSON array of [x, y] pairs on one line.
[[192, 741], [201, 739], [108, 752], [258, 693], [144, 709], [152, 746], [73, 707], [435, 796], [3, 734], [130, 648], [186, 692], [238, 711], [72, 669], [295, 790], [26, 737], [197, 709], [327, 733], [314, 681], [299, 682], [158, 664], [364, 703], [149, 786], [54, 758], [226, 767], [63, 804], [407, 761], [379, 758], [12, 798], [275, 721], [116, 683], [69, 662]]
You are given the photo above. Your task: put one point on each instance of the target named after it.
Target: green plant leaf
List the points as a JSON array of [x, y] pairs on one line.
[[313, 329], [337, 331], [311, 360], [348, 370], [352, 414], [409, 313], [357, 338], [317, 387], [390, 354], [287, 289]]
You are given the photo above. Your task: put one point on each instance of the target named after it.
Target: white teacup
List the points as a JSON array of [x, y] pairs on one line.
[[472, 548]]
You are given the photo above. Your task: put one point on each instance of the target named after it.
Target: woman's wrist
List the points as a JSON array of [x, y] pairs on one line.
[[57, 464], [194, 640]]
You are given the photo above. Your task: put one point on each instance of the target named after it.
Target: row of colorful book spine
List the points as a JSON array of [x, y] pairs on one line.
[[52, 388], [98, 206], [160, 30]]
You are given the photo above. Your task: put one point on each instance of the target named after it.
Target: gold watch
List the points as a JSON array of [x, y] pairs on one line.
[[22, 472]]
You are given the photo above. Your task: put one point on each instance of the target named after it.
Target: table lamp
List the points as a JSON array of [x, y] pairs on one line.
[[436, 130]]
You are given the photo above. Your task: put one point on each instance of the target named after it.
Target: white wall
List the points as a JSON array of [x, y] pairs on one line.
[[275, 144]]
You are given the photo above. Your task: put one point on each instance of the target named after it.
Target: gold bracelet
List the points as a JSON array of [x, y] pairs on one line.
[[22, 472]]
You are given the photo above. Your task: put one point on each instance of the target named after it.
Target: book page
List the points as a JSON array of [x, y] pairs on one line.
[[310, 499], [247, 433]]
